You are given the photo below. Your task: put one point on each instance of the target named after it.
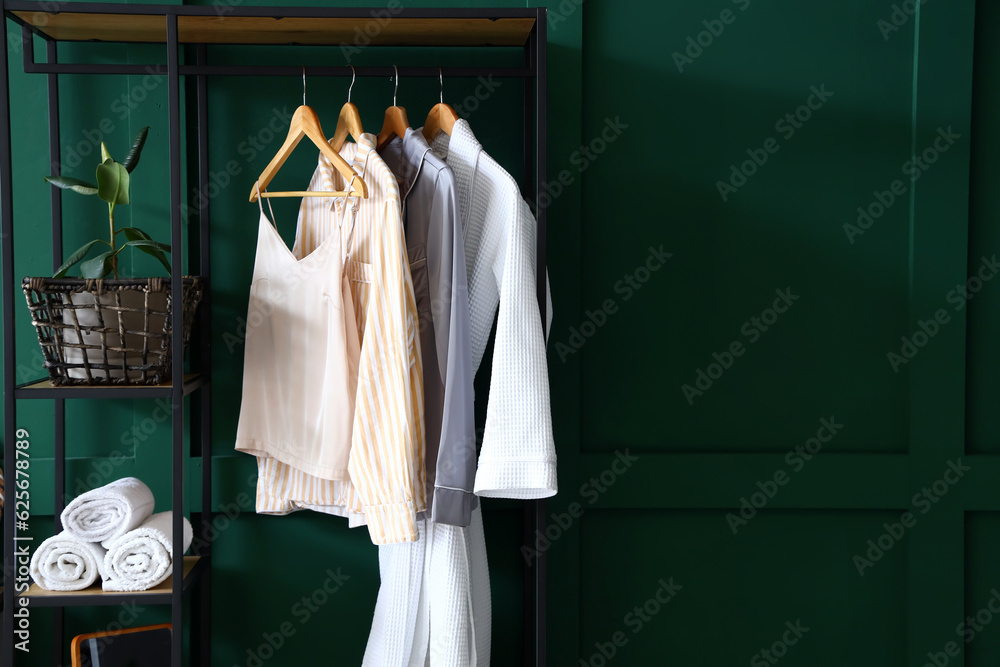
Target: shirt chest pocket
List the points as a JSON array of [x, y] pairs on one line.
[[417, 258], [361, 276]]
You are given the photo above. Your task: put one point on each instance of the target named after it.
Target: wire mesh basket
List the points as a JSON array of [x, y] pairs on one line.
[[107, 332]]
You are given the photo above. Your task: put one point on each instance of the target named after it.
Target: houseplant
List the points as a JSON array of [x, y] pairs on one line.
[[113, 187], [100, 328]]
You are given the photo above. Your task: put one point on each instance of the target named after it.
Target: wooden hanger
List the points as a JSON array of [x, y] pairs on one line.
[[441, 117], [349, 122], [395, 122], [305, 123]]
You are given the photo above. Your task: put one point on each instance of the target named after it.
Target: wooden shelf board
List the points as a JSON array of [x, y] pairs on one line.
[[47, 384], [399, 31], [165, 587]]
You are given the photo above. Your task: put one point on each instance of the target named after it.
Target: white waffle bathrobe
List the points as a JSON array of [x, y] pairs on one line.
[[434, 603]]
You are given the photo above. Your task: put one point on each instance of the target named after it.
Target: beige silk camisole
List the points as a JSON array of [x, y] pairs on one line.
[[300, 371]]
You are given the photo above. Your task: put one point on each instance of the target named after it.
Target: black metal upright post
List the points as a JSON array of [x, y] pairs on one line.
[[59, 405], [204, 624], [55, 156], [541, 129], [534, 621], [176, 342], [528, 606], [9, 363], [530, 50]]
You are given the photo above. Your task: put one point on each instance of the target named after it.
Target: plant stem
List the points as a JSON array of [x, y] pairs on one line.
[[111, 221]]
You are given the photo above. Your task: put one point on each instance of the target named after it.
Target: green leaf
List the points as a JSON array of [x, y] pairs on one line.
[[74, 184], [135, 234], [98, 267], [112, 182], [105, 155], [153, 248], [149, 243], [75, 257], [132, 159]]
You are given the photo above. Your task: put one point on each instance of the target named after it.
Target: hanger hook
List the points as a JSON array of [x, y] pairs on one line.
[[303, 85], [396, 86], [354, 75], [441, 81]]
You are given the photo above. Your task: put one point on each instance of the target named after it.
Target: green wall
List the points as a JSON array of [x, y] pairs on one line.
[[767, 335], [724, 334]]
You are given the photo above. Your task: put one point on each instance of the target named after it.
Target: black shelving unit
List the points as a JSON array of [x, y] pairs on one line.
[[192, 573], [196, 27]]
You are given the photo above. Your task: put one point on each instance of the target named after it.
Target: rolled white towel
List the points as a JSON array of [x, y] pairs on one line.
[[102, 514], [64, 563], [141, 558]]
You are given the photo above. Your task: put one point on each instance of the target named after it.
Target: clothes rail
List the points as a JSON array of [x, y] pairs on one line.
[[159, 69]]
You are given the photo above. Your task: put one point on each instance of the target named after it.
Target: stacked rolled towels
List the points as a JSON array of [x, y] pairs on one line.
[[141, 558], [112, 532], [102, 514], [65, 563]]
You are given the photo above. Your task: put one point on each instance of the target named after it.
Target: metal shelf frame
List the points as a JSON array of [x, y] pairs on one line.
[[195, 78]]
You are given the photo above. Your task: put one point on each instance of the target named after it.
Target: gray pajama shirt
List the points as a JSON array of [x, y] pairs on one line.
[[436, 251]]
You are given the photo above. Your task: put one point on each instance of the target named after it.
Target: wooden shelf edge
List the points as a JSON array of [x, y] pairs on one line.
[[293, 28], [45, 389], [41, 597]]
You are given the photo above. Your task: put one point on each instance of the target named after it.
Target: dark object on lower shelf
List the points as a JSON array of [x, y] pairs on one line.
[[148, 646], [107, 332]]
